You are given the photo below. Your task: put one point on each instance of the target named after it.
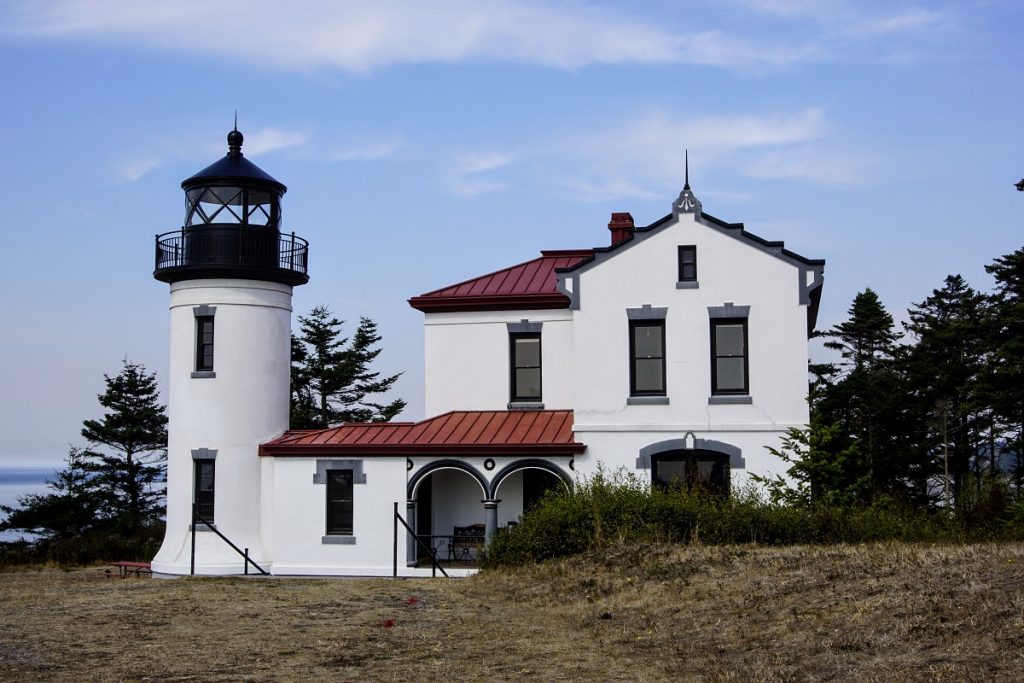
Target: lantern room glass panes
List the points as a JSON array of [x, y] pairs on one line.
[[647, 357], [231, 205], [526, 367], [729, 356]]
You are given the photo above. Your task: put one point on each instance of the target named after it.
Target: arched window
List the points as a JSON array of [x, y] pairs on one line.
[[691, 469]]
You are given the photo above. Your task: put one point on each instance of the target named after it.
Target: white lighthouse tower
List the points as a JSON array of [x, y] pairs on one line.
[[231, 272]]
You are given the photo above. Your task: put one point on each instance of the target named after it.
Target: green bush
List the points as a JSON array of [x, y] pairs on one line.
[[90, 548], [609, 508]]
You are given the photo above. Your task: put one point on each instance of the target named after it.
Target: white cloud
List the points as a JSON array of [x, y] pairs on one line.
[[360, 36], [265, 140], [471, 173], [134, 169]]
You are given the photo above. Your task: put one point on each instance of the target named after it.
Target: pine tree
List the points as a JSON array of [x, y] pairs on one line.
[[127, 451], [67, 512], [331, 377], [1007, 346]]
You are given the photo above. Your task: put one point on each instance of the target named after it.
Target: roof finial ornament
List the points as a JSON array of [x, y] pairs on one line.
[[686, 202], [235, 139]]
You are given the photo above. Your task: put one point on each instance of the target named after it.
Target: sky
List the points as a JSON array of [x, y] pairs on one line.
[[424, 143]]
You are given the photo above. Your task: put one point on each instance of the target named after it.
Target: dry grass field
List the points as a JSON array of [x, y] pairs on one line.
[[868, 613]]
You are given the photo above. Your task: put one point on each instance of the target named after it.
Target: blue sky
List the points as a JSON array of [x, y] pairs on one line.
[[427, 142]]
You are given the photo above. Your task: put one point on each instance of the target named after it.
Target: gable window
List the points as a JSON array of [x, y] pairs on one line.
[[647, 357], [203, 491], [688, 263], [339, 502], [525, 367], [729, 359]]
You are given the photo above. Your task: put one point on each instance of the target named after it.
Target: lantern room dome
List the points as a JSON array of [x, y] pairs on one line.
[[234, 169]]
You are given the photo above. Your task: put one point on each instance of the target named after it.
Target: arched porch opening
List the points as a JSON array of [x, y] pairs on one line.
[[443, 498], [521, 485]]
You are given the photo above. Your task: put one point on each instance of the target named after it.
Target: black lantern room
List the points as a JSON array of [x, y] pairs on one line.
[[232, 227]]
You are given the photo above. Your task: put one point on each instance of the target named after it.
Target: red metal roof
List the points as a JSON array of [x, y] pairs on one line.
[[524, 286], [469, 431]]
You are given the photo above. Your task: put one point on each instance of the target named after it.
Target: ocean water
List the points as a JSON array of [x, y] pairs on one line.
[[18, 481]]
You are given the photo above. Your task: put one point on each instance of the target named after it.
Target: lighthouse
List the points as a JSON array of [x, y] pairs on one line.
[[231, 270]]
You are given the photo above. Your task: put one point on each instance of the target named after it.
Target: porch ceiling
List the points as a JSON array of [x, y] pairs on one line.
[[470, 431]]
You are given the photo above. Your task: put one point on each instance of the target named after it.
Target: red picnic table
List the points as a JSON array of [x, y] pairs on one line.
[[126, 569]]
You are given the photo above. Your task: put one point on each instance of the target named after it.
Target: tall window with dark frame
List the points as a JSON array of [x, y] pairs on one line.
[[525, 367], [204, 343], [339, 502], [204, 487], [647, 357], [729, 360], [688, 263]]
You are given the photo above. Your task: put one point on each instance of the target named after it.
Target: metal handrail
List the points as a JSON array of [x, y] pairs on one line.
[[433, 560], [231, 245], [196, 517]]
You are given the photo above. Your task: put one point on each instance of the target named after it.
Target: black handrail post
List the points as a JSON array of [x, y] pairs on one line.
[[192, 567], [291, 254], [246, 565], [394, 548]]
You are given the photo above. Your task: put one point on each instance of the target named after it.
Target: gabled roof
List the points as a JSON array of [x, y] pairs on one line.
[[493, 432], [530, 285]]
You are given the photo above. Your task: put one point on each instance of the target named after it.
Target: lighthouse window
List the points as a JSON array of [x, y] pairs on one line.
[[203, 493], [204, 343], [339, 502]]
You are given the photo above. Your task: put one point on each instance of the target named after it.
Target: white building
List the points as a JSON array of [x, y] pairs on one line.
[[678, 352]]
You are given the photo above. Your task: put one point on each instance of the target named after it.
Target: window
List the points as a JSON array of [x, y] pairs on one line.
[[204, 343], [525, 367], [693, 469], [339, 502], [688, 263], [203, 493], [729, 373], [647, 357]]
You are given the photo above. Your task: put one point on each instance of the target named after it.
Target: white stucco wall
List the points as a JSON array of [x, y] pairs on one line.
[[244, 405], [466, 359]]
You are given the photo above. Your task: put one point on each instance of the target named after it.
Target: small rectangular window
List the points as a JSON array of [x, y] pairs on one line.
[[688, 263], [729, 372], [203, 492], [339, 502], [525, 367], [647, 357], [204, 343]]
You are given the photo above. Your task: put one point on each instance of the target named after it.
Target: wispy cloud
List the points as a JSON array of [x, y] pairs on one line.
[[134, 169], [263, 140], [379, 150], [855, 18], [471, 173], [360, 36]]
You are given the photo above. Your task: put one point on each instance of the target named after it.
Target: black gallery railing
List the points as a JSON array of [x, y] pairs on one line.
[[231, 246]]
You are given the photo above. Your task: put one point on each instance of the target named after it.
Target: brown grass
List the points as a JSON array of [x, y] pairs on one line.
[[871, 613]]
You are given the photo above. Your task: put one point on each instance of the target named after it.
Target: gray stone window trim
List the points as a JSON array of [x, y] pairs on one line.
[[524, 326], [736, 461], [647, 401], [729, 310], [525, 405], [338, 539], [200, 528], [646, 312], [203, 374], [204, 453], [204, 311], [689, 284], [729, 400], [358, 477]]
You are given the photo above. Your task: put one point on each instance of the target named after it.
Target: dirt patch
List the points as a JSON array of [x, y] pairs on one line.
[[649, 613]]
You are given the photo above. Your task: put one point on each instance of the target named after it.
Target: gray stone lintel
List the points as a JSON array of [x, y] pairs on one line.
[[338, 540], [358, 477], [204, 311], [204, 453], [647, 312], [736, 460], [524, 326], [647, 401], [729, 400], [729, 310]]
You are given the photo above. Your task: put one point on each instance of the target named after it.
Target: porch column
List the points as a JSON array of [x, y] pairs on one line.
[[410, 539], [490, 519]]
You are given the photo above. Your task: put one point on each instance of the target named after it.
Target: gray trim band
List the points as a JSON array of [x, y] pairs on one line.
[[688, 284], [358, 477], [204, 311], [730, 400], [203, 374], [729, 310], [338, 540], [204, 453], [647, 401], [524, 405], [524, 326], [736, 460], [645, 312]]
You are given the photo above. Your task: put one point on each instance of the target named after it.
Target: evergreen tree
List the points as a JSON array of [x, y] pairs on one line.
[[1006, 336], [331, 377], [67, 512], [127, 451]]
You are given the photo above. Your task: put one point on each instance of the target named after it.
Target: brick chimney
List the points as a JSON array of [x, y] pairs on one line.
[[621, 226]]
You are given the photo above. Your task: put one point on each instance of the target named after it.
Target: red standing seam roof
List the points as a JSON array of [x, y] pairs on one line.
[[463, 431], [532, 284]]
